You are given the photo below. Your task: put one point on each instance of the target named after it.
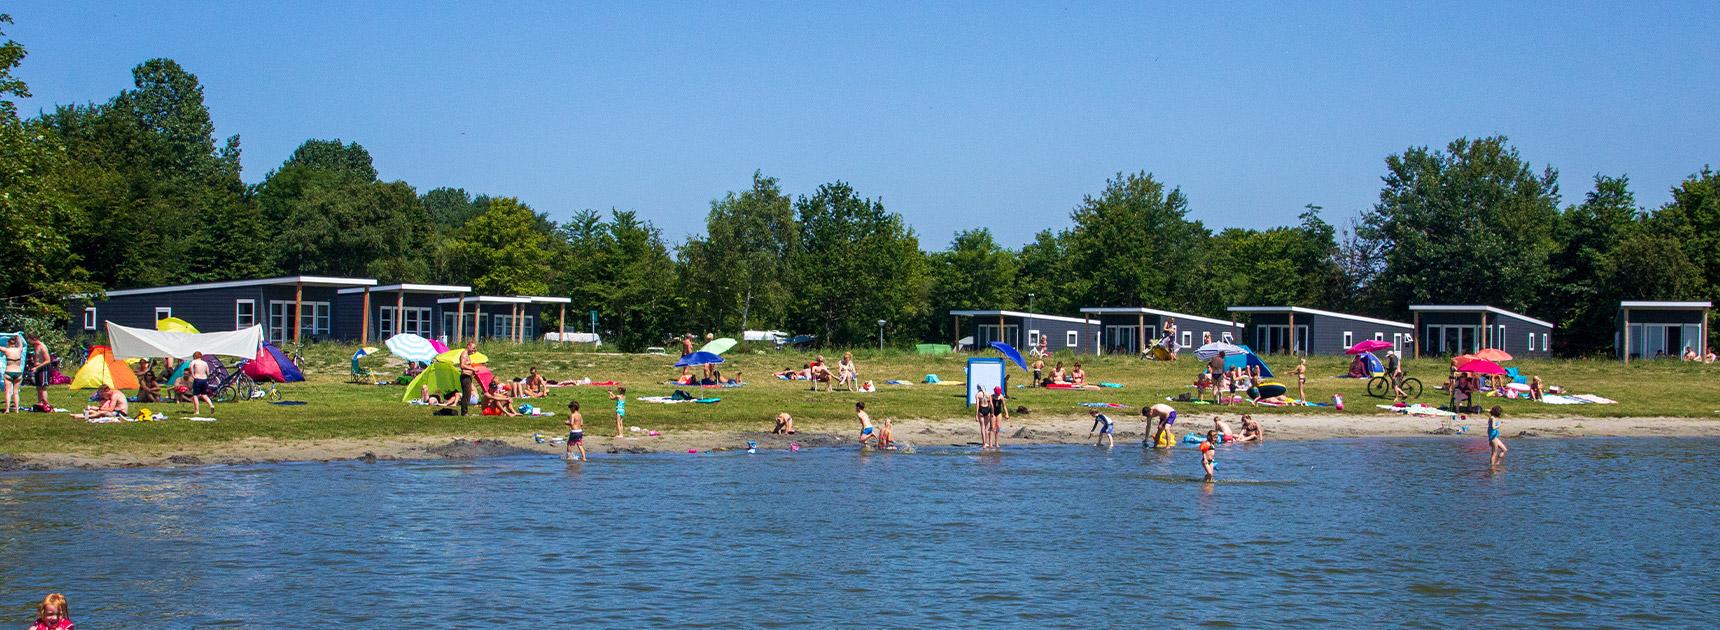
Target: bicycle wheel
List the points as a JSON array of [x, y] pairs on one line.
[[1412, 387], [227, 393], [1378, 387]]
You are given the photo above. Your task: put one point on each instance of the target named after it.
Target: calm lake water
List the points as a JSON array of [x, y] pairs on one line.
[[1345, 532]]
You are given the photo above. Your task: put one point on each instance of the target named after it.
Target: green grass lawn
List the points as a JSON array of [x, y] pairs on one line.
[[338, 409]]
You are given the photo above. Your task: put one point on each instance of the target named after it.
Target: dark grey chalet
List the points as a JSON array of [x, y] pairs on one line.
[[1304, 331]]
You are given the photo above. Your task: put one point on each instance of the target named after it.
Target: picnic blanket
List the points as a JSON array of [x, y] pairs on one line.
[[1579, 399], [1104, 405], [1072, 386]]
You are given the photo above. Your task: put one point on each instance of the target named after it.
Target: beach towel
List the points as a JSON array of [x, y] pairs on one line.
[[1112, 385], [1556, 399], [896, 382], [1105, 405], [662, 400]]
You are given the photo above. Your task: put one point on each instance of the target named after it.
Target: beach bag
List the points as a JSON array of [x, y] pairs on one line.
[[681, 395]]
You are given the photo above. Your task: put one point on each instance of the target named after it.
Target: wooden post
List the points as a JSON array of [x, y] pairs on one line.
[[561, 324], [519, 323], [477, 316], [956, 322], [1486, 336], [364, 332], [399, 310], [1415, 336], [1000, 335], [460, 319], [1292, 332], [298, 310], [1627, 336]]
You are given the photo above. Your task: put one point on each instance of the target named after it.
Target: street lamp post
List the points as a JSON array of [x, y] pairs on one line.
[[881, 334], [1030, 302]]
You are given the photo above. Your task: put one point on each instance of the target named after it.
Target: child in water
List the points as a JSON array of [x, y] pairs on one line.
[[1209, 453], [53, 614], [575, 431], [1493, 440]]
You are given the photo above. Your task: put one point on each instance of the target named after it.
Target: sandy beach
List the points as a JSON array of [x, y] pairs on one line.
[[916, 432]]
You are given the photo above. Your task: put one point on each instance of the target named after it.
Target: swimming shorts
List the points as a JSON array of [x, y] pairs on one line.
[[575, 437], [1106, 430], [41, 376], [866, 431], [200, 387], [1171, 419]]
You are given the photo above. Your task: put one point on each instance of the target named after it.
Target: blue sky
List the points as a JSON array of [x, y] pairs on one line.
[[957, 115]]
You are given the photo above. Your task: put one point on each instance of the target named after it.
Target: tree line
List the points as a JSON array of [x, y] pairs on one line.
[[137, 191]]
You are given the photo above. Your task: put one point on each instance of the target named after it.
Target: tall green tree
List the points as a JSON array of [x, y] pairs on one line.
[[36, 207], [1044, 270], [334, 217], [1584, 298], [735, 277], [153, 179], [857, 264], [510, 254], [451, 208], [974, 273], [1473, 222], [1295, 266], [1133, 245]]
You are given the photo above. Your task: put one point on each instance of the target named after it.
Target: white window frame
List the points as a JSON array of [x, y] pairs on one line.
[[410, 319], [90, 318], [1531, 342], [1115, 332], [1187, 338], [986, 333], [313, 324], [1349, 339], [239, 322], [1032, 338], [163, 312], [1544, 346], [529, 324], [1397, 342], [1072, 339], [1501, 337], [1379, 336], [1227, 337]]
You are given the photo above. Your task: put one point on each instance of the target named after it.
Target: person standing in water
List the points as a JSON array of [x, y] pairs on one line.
[[999, 413], [1102, 424], [575, 431], [867, 431], [1166, 416], [1209, 453], [982, 412], [1493, 440]]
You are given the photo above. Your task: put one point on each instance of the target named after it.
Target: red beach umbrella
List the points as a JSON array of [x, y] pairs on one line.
[[1494, 354], [1480, 366], [1369, 345]]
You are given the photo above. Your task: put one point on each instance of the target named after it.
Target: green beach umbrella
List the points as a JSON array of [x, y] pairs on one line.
[[718, 346]]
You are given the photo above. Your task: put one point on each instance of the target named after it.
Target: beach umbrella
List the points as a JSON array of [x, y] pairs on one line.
[[439, 346], [363, 352], [410, 347], [1011, 352], [1217, 349], [1494, 354], [1480, 366], [174, 324], [452, 357], [718, 346], [698, 358], [1368, 345], [1465, 358]]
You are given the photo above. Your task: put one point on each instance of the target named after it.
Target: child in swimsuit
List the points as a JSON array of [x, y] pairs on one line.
[[53, 614], [866, 430], [1493, 440], [620, 398], [1102, 424], [575, 431]]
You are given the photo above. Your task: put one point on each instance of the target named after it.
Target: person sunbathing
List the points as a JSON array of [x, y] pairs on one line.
[[1078, 376], [1057, 373], [536, 385], [499, 400], [445, 399], [821, 374]]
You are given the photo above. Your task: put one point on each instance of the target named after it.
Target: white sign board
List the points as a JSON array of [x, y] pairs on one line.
[[987, 373]]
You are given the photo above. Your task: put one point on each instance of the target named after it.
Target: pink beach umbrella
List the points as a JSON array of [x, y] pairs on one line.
[[1369, 345], [1481, 366]]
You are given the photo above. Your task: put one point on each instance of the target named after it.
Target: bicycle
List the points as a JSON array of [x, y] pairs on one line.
[[1381, 387]]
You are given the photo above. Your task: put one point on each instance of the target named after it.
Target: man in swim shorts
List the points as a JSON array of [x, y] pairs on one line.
[[40, 359], [1102, 424], [1167, 417], [575, 431]]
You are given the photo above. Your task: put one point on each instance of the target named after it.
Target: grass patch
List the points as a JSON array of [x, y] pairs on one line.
[[339, 409]]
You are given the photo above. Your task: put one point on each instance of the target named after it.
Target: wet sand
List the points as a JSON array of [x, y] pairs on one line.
[[917, 432]]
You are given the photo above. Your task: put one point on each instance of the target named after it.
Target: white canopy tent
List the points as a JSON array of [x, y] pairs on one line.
[[142, 343]]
